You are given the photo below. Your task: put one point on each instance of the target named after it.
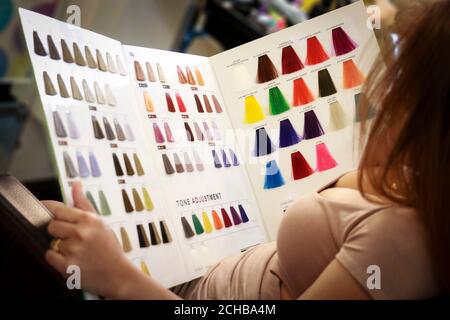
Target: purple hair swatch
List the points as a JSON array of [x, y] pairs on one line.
[[312, 128], [288, 135], [95, 168], [236, 218], [82, 166]]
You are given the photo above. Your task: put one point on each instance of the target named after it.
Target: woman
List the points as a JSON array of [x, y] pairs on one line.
[[393, 213]]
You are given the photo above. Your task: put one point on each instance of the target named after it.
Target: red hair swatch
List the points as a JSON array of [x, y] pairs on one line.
[[325, 160], [180, 103], [170, 105], [302, 93], [353, 77], [226, 218], [342, 43], [290, 62], [300, 167], [315, 53]]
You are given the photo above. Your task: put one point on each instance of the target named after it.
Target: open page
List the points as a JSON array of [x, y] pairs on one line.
[[292, 98], [160, 172]]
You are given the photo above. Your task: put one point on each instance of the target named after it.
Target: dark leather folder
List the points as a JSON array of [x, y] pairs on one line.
[[23, 222]]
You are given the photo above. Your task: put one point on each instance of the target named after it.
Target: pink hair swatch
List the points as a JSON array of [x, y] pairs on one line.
[[325, 160], [159, 138]]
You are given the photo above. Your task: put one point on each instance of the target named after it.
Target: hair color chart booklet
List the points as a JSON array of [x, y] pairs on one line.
[[192, 159]]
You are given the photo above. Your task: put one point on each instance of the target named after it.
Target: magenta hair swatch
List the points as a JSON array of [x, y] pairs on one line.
[[342, 43]]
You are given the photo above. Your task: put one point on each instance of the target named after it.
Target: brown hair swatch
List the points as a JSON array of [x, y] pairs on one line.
[[79, 60], [62, 87], [189, 134], [54, 54], [217, 104], [198, 103], [165, 232], [117, 166], [138, 205], [167, 164], [188, 232], [128, 167], [190, 77], [38, 46], [76, 93], [138, 71], [100, 61], [119, 131], [71, 172], [49, 88], [108, 130], [98, 132], [110, 63], [142, 236], [88, 95], [326, 84], [150, 73], [181, 77], [60, 130], [90, 58], [154, 235], [126, 202], [98, 93], [178, 165], [67, 55], [266, 69], [126, 243], [138, 165], [207, 104]]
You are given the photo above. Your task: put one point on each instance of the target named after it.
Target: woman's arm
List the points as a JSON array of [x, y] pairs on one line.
[[86, 241], [335, 283]]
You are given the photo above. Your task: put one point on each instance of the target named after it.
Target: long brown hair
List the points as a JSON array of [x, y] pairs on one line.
[[407, 152]]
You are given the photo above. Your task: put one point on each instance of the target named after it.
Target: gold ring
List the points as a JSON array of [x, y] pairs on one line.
[[55, 244]]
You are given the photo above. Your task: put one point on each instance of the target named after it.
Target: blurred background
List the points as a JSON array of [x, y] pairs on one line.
[[203, 27]]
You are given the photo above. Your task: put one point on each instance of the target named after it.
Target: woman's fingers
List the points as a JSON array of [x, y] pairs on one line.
[[61, 229], [57, 261], [79, 199], [63, 213]]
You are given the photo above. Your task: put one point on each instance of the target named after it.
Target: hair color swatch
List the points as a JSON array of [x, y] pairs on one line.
[[290, 61], [326, 84], [325, 160], [338, 118], [241, 78], [148, 102], [353, 77], [315, 52], [253, 110], [342, 43], [266, 69], [105, 209], [277, 102], [288, 135], [300, 167], [273, 177], [53, 52], [302, 93], [126, 243], [60, 130], [263, 143], [38, 46], [312, 128]]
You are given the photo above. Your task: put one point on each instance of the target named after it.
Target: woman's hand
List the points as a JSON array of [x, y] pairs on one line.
[[87, 242]]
